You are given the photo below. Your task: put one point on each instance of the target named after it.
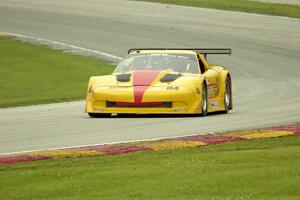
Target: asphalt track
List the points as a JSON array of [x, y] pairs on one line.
[[265, 67]]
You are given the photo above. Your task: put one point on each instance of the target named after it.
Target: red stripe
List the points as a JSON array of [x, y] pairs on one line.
[[142, 79]]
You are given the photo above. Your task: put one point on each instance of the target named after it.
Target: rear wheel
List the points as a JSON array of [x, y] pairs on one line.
[[227, 96], [99, 115], [204, 100]]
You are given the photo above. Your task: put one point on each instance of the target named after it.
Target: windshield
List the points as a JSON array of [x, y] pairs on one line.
[[157, 61]]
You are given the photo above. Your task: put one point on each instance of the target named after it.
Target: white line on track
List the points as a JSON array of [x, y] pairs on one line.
[[93, 145], [65, 47], [58, 104]]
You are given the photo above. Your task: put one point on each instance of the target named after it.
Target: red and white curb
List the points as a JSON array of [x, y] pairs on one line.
[[154, 145]]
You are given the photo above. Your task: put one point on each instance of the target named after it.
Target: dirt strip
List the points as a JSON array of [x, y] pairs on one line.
[[292, 2]]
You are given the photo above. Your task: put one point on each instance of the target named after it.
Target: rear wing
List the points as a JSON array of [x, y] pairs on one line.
[[204, 52]]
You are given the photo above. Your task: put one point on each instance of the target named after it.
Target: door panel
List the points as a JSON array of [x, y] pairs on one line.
[[212, 77]]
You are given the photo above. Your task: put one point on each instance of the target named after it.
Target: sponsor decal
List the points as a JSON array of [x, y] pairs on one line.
[[214, 104], [199, 106], [212, 90], [180, 110]]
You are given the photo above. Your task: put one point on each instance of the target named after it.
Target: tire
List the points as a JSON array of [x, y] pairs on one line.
[[99, 115], [126, 115], [204, 100], [227, 96]]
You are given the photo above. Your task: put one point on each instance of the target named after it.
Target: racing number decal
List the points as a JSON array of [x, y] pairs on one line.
[[173, 88]]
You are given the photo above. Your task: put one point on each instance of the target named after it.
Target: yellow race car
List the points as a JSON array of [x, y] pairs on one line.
[[162, 81]]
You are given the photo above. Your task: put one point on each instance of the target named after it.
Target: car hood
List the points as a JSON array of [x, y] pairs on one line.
[[147, 78]]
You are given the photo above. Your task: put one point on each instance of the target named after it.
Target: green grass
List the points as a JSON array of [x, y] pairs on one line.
[[254, 169], [35, 74], [241, 5]]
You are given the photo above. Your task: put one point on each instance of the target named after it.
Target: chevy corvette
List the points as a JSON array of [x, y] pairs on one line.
[[162, 81]]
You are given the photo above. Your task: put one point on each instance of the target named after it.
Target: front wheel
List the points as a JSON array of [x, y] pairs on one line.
[[99, 115], [126, 115], [204, 100]]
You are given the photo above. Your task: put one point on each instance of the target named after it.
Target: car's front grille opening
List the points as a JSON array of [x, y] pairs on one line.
[[111, 104]]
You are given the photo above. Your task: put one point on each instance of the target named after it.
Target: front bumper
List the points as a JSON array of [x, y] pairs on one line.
[[155, 101]]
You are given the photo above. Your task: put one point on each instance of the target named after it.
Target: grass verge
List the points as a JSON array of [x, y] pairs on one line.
[[249, 169], [34, 74], [240, 5]]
